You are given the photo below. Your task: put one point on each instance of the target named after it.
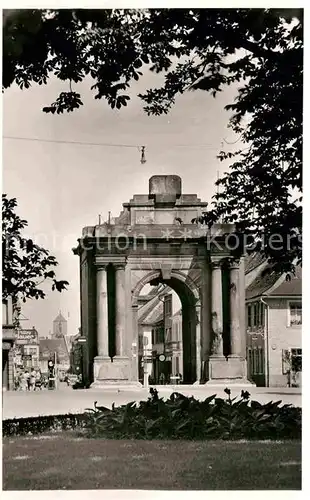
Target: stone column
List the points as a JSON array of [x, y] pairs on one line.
[[217, 308], [243, 315], [102, 313], [199, 364], [120, 300], [206, 322], [235, 331]]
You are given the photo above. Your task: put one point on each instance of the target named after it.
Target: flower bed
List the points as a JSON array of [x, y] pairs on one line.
[[179, 417]]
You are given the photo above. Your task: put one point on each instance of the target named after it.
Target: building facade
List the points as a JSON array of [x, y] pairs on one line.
[[60, 326], [57, 350], [8, 341], [274, 326], [26, 349]]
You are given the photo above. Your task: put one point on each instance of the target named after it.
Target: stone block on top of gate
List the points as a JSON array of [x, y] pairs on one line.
[[165, 189]]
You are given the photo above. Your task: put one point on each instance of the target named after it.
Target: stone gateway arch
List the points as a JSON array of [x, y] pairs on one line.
[[154, 240]]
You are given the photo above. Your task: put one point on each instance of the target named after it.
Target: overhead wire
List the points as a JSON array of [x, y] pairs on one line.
[[141, 149], [102, 144], [80, 143], [234, 142]]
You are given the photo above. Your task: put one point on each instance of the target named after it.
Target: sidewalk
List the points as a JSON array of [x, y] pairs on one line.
[[66, 400]]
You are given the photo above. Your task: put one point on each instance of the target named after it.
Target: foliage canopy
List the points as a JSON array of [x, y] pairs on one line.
[[25, 265], [259, 50]]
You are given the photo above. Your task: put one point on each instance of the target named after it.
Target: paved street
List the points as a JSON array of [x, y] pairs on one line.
[[66, 400]]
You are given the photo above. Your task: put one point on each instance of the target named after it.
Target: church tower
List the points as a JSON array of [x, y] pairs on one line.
[[60, 326]]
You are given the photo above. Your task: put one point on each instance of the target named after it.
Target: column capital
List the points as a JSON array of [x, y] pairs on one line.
[[216, 264], [234, 263], [119, 265], [101, 267]]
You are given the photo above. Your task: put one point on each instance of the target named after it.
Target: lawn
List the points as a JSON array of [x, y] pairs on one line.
[[65, 461]]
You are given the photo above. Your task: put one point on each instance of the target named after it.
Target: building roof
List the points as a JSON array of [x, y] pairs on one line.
[[178, 313], [145, 310], [150, 310], [156, 315], [49, 346], [261, 284], [252, 261], [154, 291], [60, 318], [290, 287], [265, 283]]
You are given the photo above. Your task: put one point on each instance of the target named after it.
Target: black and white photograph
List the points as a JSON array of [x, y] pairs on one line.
[[152, 248]]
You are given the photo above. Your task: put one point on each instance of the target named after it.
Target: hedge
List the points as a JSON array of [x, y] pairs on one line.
[[43, 424]]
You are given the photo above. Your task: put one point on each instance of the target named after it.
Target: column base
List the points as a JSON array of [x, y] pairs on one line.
[[116, 385], [114, 373], [230, 371]]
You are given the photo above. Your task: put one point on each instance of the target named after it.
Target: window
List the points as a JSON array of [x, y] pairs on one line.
[[5, 313], [176, 332], [295, 313], [256, 314], [140, 342], [262, 314], [177, 365], [249, 316], [291, 360], [296, 356], [160, 334], [168, 334], [31, 351], [168, 305]]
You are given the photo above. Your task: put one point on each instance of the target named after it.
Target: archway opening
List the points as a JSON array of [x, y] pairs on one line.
[[167, 326]]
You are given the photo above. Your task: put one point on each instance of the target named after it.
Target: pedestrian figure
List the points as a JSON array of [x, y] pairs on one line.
[[32, 379], [27, 375], [24, 381], [38, 382], [162, 378]]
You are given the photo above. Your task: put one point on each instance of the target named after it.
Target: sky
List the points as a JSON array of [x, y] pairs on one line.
[[61, 188]]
